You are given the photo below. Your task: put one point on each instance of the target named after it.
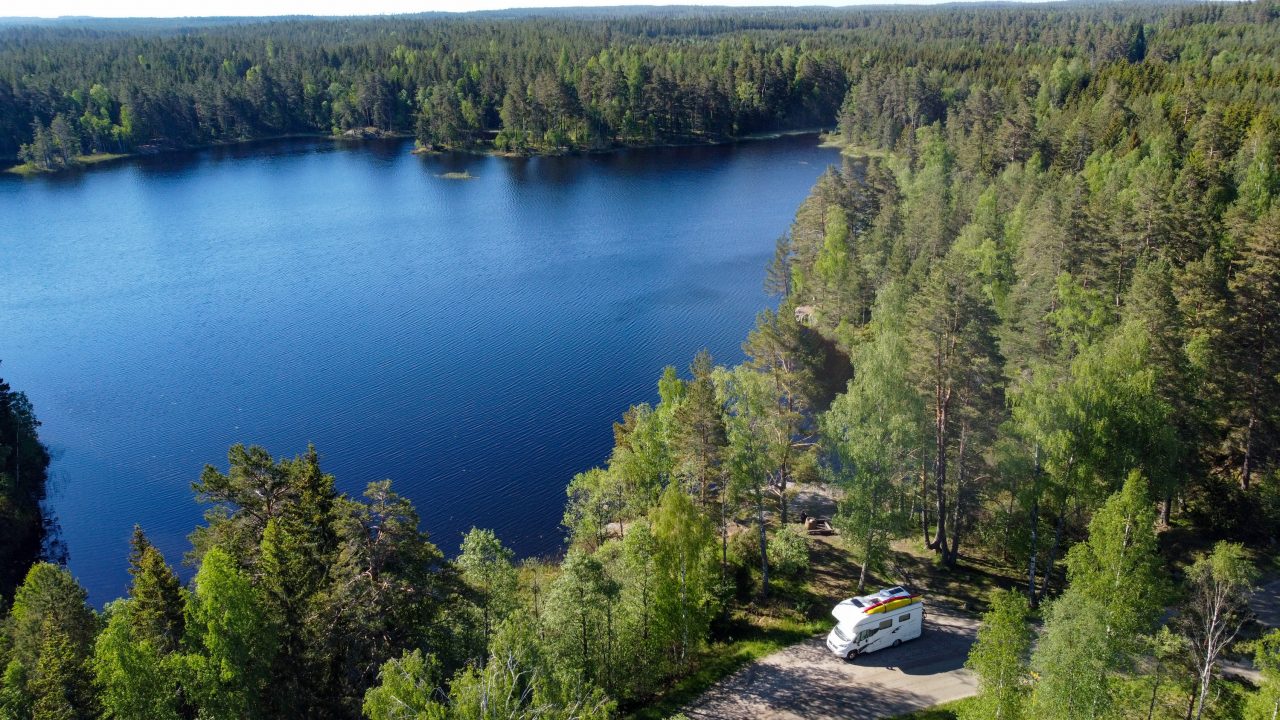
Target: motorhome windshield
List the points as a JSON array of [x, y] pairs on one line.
[[841, 635]]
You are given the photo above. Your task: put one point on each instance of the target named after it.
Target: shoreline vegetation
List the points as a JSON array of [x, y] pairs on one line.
[[543, 84], [1027, 331], [79, 162], [82, 162]]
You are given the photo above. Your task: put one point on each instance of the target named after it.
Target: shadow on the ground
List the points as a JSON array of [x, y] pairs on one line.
[[807, 692]]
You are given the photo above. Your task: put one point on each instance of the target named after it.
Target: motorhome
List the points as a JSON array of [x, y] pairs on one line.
[[873, 622]]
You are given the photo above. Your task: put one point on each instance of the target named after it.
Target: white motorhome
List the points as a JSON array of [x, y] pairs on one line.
[[873, 622]]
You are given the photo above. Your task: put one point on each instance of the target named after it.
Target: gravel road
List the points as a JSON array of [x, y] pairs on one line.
[[807, 681]]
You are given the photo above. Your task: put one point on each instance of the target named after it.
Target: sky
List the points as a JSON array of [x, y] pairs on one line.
[[206, 8]]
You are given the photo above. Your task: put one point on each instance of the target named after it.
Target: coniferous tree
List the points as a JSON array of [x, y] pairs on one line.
[[157, 599], [1254, 352]]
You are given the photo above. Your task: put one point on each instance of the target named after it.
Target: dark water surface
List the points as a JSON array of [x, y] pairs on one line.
[[472, 340]]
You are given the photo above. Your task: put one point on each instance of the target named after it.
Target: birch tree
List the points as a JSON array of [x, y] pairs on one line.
[[1216, 609]]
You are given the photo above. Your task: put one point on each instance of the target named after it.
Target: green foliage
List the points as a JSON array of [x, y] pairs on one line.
[[406, 690], [1000, 658], [235, 637], [1265, 703], [789, 552], [875, 432], [135, 681], [1080, 211], [157, 599], [699, 430], [1214, 611], [46, 642], [581, 618], [1119, 567], [685, 598], [487, 570], [24, 463], [49, 602], [1074, 661], [59, 687]]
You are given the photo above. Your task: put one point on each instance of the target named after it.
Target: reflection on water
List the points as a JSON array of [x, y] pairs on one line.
[[472, 341]]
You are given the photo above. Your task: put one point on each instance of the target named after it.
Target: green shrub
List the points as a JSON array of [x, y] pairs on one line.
[[789, 552]]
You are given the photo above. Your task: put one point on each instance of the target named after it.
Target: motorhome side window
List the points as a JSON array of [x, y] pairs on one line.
[[904, 618], [886, 624]]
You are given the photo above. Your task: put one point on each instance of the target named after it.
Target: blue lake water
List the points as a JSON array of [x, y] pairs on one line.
[[472, 340]]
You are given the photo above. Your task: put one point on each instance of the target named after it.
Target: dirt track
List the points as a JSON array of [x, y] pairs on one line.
[[807, 681]]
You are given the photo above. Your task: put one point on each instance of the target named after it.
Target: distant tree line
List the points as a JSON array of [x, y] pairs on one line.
[[530, 83]]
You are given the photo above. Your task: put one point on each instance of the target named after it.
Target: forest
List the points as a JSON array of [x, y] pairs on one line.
[[534, 82], [1029, 324]]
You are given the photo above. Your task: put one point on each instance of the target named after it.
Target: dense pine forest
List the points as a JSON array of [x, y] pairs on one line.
[[1030, 323]]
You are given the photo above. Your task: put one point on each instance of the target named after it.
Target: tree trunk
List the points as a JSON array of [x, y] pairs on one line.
[[939, 542], [867, 541], [924, 503], [764, 546], [1155, 691], [1246, 468], [1053, 552], [949, 556], [1206, 678], [782, 494], [724, 536], [1035, 550]]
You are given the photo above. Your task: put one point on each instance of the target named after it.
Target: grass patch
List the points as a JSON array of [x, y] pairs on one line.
[[751, 637], [97, 158], [81, 161], [965, 587], [855, 150], [945, 711]]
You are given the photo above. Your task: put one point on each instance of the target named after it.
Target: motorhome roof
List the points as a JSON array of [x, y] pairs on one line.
[[856, 608], [874, 598]]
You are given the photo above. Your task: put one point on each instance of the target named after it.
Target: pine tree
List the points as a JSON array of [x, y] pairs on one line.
[[59, 687], [1253, 349], [699, 430], [157, 597], [956, 365]]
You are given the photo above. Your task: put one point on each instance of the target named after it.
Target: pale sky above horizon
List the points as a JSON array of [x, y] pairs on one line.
[[234, 8]]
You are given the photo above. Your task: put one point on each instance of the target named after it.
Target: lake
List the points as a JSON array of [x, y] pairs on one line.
[[472, 340]]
